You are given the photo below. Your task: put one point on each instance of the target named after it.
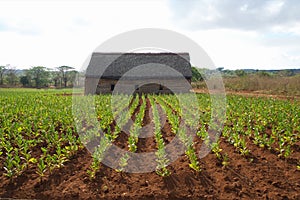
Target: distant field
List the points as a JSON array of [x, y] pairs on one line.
[[5, 91], [288, 86], [43, 157]]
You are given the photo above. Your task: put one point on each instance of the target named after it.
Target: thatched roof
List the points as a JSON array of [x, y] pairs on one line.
[[139, 65]]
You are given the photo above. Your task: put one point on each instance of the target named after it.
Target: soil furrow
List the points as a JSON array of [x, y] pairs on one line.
[[147, 143]]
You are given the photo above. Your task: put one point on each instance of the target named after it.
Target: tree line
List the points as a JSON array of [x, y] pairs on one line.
[[39, 77]]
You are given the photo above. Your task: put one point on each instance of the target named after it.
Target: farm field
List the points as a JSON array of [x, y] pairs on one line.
[[42, 156]]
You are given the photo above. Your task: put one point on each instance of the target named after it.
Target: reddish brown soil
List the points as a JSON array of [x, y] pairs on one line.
[[70, 94], [147, 144], [262, 175]]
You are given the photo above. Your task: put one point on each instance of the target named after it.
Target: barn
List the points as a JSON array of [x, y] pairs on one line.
[[138, 73]]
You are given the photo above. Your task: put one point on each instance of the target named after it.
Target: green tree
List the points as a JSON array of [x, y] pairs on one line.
[[264, 74], [286, 72], [240, 72], [11, 74], [73, 76], [196, 75], [2, 72], [64, 74], [220, 69], [24, 80], [40, 76], [55, 77]]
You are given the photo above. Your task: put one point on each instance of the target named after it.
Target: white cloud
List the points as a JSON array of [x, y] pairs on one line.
[[235, 49], [236, 34], [53, 33], [242, 15], [244, 34]]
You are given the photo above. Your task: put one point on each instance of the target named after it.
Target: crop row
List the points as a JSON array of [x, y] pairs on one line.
[[39, 130]]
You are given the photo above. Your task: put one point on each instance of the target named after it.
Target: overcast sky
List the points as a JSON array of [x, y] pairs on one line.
[[235, 33]]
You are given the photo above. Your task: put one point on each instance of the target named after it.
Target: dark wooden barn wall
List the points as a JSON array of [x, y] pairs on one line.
[[104, 86]]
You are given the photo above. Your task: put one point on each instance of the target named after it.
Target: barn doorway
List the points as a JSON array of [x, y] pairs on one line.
[[160, 87], [112, 87]]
